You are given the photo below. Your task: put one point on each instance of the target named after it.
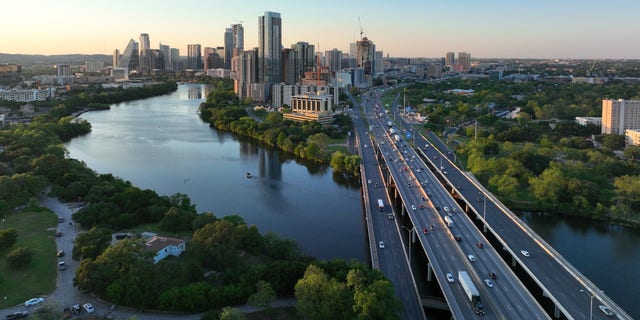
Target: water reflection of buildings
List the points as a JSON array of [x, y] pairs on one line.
[[269, 165], [195, 92]]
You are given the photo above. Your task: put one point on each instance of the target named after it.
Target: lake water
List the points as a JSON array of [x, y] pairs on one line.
[[160, 143]]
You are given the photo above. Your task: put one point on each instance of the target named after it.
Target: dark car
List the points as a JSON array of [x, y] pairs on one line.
[[425, 231], [492, 275], [18, 315], [60, 253], [458, 237], [58, 234]]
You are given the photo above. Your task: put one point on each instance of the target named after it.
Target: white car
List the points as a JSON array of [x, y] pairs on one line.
[[489, 283], [525, 253], [381, 244], [605, 310], [450, 277], [33, 301], [413, 207], [446, 209], [369, 181], [88, 307], [472, 258]]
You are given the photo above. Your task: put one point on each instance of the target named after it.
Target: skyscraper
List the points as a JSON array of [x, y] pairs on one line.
[[228, 47], [194, 56], [130, 57], [238, 36], [288, 66], [145, 53], [366, 55], [116, 57], [166, 53], [464, 59], [305, 58], [333, 59], [449, 59], [269, 47]]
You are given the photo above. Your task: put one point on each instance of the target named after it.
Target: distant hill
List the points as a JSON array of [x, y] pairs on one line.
[[35, 59]]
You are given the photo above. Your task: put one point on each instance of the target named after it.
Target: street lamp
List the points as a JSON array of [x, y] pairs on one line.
[[591, 295]]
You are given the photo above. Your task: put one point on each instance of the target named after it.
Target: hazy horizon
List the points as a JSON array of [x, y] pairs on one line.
[[498, 29]]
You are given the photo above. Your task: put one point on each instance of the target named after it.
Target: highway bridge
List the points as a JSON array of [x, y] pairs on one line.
[[416, 178]]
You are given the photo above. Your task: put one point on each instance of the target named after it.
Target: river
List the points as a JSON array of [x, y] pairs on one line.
[[161, 144]]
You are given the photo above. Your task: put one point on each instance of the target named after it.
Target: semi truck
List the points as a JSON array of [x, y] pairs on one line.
[[448, 220], [380, 205], [471, 291]]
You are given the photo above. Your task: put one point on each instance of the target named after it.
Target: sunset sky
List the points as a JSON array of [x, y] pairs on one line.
[[401, 28]]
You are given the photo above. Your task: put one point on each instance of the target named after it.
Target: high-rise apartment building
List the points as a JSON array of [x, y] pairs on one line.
[[365, 55], [246, 65], [449, 59], [464, 59], [379, 66], [269, 47], [228, 47], [238, 36], [288, 66], [116, 58], [145, 54], [333, 59], [305, 58], [620, 115], [166, 53], [194, 56]]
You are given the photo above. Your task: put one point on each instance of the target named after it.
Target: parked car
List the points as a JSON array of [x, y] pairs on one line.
[[88, 307], [58, 234], [77, 309], [60, 219], [33, 301], [60, 253], [18, 315], [62, 266]]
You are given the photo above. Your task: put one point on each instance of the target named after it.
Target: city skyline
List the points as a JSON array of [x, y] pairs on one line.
[[406, 28]]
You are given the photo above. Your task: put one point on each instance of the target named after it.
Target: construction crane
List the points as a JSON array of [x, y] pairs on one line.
[[590, 72], [241, 21], [360, 24]]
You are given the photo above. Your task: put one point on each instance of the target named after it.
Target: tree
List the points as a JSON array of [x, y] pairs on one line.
[[613, 141], [91, 244], [628, 189], [8, 238], [322, 297], [176, 219], [549, 186], [230, 313], [19, 257], [263, 297], [376, 301], [632, 152]]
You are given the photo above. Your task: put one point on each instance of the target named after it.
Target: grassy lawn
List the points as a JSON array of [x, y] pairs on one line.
[[280, 314], [40, 276]]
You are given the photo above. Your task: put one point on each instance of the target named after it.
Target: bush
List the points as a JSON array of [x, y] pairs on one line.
[[8, 238], [19, 257]]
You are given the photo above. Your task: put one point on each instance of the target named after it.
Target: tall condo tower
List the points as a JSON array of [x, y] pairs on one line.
[[228, 47], [145, 53], [238, 36], [269, 47], [194, 56]]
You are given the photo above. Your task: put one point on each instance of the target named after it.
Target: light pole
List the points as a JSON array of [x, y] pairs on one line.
[[591, 295]]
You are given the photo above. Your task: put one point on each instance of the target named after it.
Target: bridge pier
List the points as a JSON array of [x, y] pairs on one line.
[[429, 272], [513, 262]]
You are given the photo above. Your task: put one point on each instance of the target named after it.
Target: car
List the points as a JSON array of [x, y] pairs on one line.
[[18, 315], [525, 253], [457, 237], [438, 208], [60, 219], [450, 277], [58, 234], [381, 244], [390, 216], [426, 145], [76, 308], [421, 206], [605, 310], [60, 253], [445, 172], [33, 301], [480, 245], [62, 266], [492, 275], [471, 257], [446, 209], [88, 307], [369, 181], [413, 207], [425, 231], [489, 283]]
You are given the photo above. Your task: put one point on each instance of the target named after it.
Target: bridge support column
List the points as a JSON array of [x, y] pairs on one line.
[[429, 272], [513, 261], [556, 311]]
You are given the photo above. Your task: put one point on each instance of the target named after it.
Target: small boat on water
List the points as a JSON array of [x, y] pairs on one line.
[[248, 175]]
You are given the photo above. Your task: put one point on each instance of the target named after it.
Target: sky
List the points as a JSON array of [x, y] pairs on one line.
[[576, 29]]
